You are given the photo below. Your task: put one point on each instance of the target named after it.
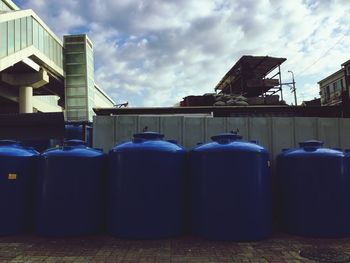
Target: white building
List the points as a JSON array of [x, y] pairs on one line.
[[41, 73]]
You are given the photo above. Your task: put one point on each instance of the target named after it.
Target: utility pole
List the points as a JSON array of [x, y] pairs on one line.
[[293, 89]]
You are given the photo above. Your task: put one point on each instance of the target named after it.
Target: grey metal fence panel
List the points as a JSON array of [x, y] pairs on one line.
[[213, 127], [260, 129], [282, 135], [240, 124], [172, 128], [125, 127], [149, 123], [305, 129], [193, 131], [272, 133], [328, 131], [104, 132]]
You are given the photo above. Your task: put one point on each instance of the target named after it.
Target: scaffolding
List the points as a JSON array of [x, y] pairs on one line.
[[250, 77]]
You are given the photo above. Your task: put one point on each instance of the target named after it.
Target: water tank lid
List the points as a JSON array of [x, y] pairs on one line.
[[226, 137], [149, 136], [7, 142], [14, 148], [74, 143], [311, 144]]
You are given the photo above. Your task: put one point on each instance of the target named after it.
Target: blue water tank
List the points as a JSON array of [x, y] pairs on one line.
[[79, 131], [231, 189], [278, 219], [315, 191], [17, 182], [70, 190], [38, 145], [146, 188], [73, 131]]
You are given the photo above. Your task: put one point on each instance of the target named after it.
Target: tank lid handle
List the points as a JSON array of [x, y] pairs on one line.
[[226, 137], [311, 144], [8, 142], [149, 136], [74, 143]]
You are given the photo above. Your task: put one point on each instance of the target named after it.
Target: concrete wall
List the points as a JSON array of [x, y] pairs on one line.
[[46, 103], [273, 133]]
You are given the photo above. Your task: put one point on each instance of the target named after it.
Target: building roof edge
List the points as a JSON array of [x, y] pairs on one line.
[[104, 93], [11, 4], [330, 76]]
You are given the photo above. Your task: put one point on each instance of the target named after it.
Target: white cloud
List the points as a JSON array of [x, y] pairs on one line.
[[310, 91], [156, 52]]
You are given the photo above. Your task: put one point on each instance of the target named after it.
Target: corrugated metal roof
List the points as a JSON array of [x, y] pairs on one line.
[[259, 66]]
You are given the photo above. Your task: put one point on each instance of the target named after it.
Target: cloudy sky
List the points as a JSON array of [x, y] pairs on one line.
[[154, 52]]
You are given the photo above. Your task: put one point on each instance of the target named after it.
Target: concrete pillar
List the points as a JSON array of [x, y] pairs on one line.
[[25, 99], [26, 82]]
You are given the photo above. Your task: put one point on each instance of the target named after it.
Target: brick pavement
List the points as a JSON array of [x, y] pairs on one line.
[[280, 248]]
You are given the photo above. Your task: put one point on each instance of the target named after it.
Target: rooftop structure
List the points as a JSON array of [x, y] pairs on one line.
[[249, 77]]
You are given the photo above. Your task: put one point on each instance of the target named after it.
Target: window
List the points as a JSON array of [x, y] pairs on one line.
[[17, 34], [72, 39], [60, 56], [23, 32], [29, 31], [76, 102], [75, 69], [76, 81], [35, 34], [3, 39], [75, 58], [327, 93], [338, 86], [54, 52], [51, 43], [77, 114], [46, 44], [57, 52], [348, 70], [75, 47], [41, 39], [76, 91], [11, 37]]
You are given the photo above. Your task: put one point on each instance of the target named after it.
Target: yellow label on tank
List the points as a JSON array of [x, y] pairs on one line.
[[12, 177]]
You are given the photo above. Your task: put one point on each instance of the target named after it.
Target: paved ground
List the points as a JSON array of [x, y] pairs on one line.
[[278, 249]]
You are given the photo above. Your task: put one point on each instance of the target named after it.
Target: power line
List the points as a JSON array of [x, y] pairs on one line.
[[325, 53]]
